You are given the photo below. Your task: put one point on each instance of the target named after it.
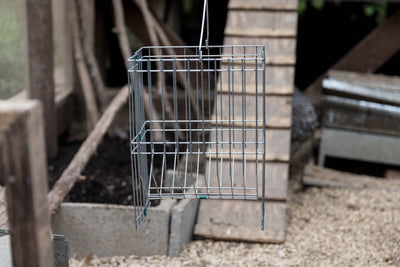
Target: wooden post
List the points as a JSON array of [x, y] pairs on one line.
[[24, 165], [62, 32], [39, 57]]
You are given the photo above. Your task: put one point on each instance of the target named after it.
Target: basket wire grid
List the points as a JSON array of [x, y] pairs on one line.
[[201, 147], [197, 123]]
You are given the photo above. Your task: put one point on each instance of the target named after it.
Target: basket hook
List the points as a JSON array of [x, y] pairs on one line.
[[205, 11]]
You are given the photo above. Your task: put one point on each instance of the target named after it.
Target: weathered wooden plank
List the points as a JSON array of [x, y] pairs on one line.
[[39, 62], [263, 4], [366, 79], [248, 174], [278, 80], [87, 17], [375, 49], [26, 183], [261, 23], [237, 220], [238, 110], [368, 55], [277, 145], [277, 50], [323, 177]]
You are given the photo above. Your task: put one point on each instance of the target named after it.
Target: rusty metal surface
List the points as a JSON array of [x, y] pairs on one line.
[[361, 115]]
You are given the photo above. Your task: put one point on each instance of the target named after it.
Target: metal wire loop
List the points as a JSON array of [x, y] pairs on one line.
[[205, 12]]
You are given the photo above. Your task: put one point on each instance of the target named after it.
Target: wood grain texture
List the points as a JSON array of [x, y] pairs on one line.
[[278, 110], [279, 80], [92, 111], [366, 79], [248, 174], [39, 63], [278, 51], [263, 4], [323, 177], [261, 24], [277, 146], [237, 220], [26, 183]]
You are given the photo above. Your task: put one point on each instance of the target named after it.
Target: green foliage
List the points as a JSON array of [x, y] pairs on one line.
[[316, 4], [11, 49], [302, 7], [378, 10], [374, 9], [188, 6]]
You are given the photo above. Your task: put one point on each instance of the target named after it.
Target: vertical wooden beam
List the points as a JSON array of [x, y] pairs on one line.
[[88, 20], [22, 131], [39, 62], [63, 42]]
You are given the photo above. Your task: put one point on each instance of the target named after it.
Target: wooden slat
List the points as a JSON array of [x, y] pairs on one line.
[[276, 177], [323, 177], [26, 183], [39, 62], [278, 80], [277, 50], [260, 23], [263, 4], [366, 79], [278, 110], [277, 146], [240, 221]]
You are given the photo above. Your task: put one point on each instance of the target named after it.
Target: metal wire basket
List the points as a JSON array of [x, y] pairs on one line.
[[192, 129], [197, 123]]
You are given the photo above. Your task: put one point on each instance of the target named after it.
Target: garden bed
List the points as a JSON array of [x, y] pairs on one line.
[[98, 215]]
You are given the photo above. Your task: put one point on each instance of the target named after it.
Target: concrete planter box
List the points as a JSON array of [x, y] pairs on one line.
[[109, 230]]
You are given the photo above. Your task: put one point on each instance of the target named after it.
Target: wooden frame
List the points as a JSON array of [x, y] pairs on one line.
[[39, 62], [23, 163]]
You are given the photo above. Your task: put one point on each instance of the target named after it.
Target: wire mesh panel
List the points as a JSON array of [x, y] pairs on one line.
[[194, 130]]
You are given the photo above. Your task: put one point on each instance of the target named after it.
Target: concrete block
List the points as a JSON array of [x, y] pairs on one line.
[[183, 218], [5, 251], [109, 230]]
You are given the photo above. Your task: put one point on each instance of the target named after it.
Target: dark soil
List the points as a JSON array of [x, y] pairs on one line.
[[108, 173]]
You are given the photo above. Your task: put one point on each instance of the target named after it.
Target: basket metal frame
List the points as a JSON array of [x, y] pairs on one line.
[[197, 144]]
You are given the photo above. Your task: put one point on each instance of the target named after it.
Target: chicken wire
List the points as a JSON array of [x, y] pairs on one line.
[[197, 117]]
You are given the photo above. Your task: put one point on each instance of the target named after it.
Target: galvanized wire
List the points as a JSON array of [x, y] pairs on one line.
[[209, 148]]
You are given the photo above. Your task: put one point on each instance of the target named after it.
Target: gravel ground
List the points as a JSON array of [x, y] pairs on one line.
[[326, 227]]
